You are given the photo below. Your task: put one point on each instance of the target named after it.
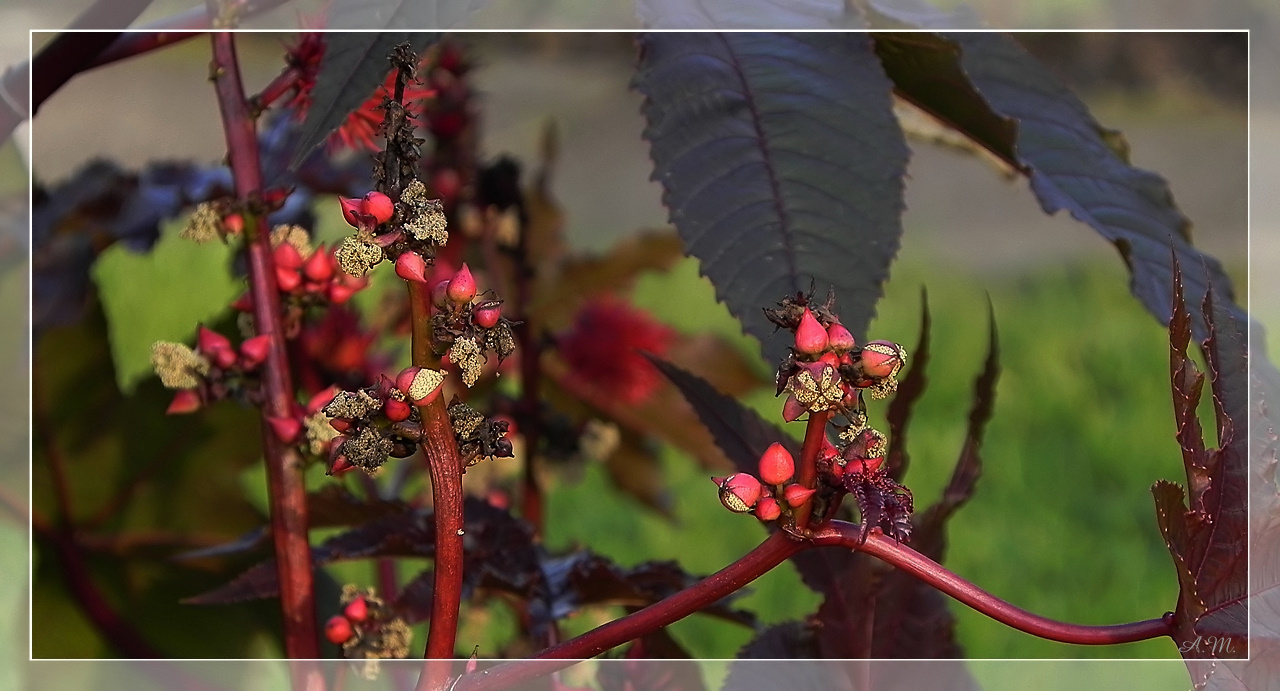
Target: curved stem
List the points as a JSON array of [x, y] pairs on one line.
[[284, 470], [773, 551], [840, 533], [441, 450]]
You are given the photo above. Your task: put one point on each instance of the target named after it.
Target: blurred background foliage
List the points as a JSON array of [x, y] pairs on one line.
[[1062, 522]]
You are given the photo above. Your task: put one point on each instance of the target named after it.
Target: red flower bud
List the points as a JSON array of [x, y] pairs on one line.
[[244, 303], [776, 464], [233, 224], [486, 315], [397, 410], [411, 267], [739, 492], [882, 359], [768, 509], [184, 401], [352, 210], [440, 295], [339, 293], [811, 338], [287, 279], [287, 255], [338, 630], [286, 429], [839, 338], [341, 424], [462, 287], [797, 495], [405, 378], [357, 610], [209, 342], [379, 206], [253, 351], [864, 466], [320, 400], [319, 266]]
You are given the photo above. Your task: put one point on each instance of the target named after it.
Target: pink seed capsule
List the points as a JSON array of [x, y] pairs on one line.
[[811, 338]]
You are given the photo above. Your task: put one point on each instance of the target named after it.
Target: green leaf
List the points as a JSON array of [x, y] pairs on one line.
[[353, 66], [160, 296], [781, 163]]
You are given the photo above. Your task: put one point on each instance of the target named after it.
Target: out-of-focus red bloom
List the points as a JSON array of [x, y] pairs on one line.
[[361, 127], [335, 350], [603, 347]]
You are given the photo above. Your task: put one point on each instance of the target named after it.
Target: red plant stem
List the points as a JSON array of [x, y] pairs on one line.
[[815, 433], [284, 469], [888, 550], [773, 551], [283, 82], [63, 58], [133, 44], [441, 449]]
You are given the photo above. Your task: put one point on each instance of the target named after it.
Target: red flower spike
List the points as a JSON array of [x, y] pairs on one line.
[[440, 294], [340, 423], [797, 495], [184, 401], [486, 316], [768, 509], [288, 256], [405, 379], [605, 345], [397, 410], [411, 267], [352, 210], [286, 429], [254, 351], [379, 206], [776, 464], [287, 279], [839, 339], [338, 630], [462, 287], [811, 338], [357, 610], [792, 409], [318, 267], [739, 492]]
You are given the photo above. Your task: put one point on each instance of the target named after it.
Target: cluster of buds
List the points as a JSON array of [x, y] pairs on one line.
[[222, 218], [825, 369], [408, 232], [213, 371], [380, 420], [770, 495], [478, 437], [467, 328], [367, 628], [305, 276]]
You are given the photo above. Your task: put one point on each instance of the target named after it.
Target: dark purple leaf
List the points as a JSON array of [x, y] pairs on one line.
[[781, 163], [787, 641], [989, 89], [353, 66], [678, 673], [739, 431], [1205, 529]]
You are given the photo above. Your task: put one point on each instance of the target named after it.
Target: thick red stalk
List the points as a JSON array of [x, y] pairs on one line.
[[441, 449], [284, 465], [815, 433], [888, 550], [773, 551]]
